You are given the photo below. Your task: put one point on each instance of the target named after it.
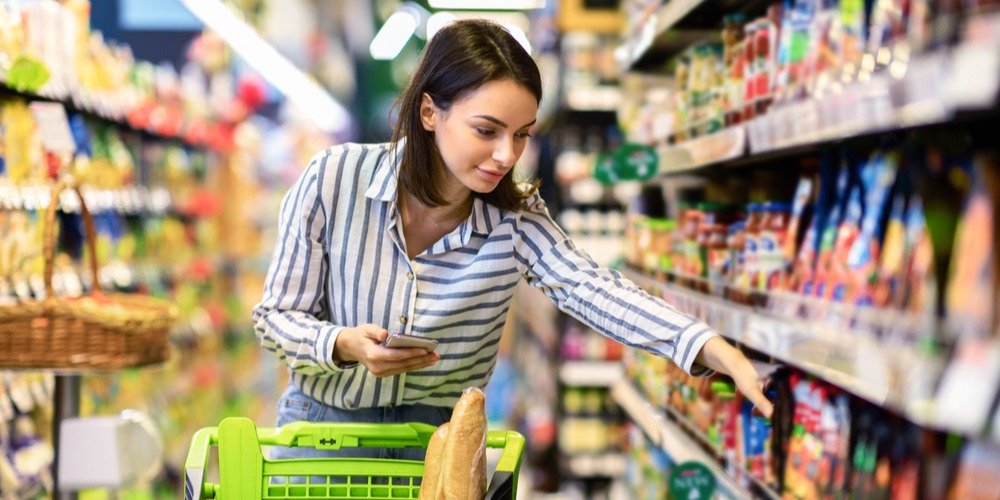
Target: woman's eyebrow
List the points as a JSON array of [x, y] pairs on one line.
[[501, 123]]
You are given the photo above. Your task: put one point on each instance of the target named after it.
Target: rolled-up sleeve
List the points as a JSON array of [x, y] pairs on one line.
[[601, 297], [289, 320]]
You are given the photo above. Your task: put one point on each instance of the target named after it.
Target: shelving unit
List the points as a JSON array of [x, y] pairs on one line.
[[109, 110], [680, 441], [912, 367], [900, 373], [925, 93], [677, 25]]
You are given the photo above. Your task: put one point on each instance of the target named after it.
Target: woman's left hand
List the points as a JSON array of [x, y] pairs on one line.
[[718, 355]]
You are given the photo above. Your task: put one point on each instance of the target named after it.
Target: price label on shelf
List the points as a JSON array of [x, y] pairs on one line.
[[54, 127]]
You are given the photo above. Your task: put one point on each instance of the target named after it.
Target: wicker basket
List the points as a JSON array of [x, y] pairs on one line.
[[99, 331]]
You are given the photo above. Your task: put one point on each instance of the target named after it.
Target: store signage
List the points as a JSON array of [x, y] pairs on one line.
[[691, 481]]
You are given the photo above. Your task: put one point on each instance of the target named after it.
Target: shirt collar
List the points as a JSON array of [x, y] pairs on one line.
[[384, 183], [484, 217]]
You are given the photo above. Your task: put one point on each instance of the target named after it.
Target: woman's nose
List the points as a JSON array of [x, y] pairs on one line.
[[505, 154]]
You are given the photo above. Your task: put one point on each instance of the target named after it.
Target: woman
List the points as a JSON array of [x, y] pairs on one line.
[[428, 235]]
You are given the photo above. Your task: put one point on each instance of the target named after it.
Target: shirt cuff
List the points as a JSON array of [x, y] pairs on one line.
[[689, 344], [323, 350]]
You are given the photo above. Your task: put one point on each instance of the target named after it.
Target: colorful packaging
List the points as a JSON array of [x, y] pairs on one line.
[[757, 437], [921, 285], [891, 267], [750, 276], [719, 257], [978, 476], [971, 290], [802, 195], [877, 177], [774, 232], [817, 246]]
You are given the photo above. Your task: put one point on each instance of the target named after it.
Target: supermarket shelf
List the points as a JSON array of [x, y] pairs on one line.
[[600, 465], [882, 356], [111, 110], [127, 201], [927, 90], [672, 438], [677, 25], [761, 488], [926, 93], [702, 152], [590, 373]]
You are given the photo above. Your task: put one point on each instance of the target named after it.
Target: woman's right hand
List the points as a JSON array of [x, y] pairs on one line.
[[363, 344]]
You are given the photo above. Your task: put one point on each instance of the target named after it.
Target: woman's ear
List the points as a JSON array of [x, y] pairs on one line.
[[428, 112]]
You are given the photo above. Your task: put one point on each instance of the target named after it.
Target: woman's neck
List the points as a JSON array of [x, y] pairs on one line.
[[452, 212]]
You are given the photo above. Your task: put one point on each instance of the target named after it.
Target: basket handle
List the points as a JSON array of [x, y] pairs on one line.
[[48, 237]]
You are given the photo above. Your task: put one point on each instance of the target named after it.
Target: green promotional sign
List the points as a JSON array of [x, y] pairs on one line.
[[635, 162], [604, 169], [691, 481], [630, 162]]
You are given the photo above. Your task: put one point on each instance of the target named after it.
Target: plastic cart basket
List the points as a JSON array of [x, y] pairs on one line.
[[244, 473]]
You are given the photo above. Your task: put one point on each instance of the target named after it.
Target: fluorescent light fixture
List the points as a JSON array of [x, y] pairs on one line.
[[520, 36], [299, 88], [515, 22], [438, 21], [487, 4], [396, 31]]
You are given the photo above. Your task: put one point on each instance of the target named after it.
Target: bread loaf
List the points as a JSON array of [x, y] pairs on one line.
[[463, 470], [432, 463]]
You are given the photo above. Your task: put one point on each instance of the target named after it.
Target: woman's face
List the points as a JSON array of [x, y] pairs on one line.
[[482, 136]]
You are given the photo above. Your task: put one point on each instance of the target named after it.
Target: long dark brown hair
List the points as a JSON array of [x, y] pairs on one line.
[[459, 59]]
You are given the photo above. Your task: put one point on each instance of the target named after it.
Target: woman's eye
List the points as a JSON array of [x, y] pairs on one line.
[[484, 131], [522, 135]]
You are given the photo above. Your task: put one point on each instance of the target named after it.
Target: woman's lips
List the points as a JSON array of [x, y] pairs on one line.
[[493, 176]]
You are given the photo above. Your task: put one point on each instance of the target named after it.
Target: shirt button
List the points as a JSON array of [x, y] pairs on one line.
[[402, 318], [409, 276]]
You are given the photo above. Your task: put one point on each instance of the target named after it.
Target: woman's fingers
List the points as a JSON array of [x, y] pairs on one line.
[[756, 396], [389, 368], [748, 382]]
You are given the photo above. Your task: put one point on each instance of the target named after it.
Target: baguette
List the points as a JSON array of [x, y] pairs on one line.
[[463, 470], [432, 463]]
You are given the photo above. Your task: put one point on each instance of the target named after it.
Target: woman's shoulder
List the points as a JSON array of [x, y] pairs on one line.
[[350, 152], [349, 160], [533, 203]]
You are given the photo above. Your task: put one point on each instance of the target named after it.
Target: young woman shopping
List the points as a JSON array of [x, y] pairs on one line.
[[428, 235]]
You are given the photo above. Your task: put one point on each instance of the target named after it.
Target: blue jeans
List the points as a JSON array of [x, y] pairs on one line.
[[295, 406]]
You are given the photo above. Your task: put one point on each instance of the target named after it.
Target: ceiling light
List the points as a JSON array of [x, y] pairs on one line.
[[520, 36], [391, 39], [299, 88], [487, 4], [438, 21], [516, 23]]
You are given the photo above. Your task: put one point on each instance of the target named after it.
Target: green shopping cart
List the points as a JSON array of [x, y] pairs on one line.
[[244, 473]]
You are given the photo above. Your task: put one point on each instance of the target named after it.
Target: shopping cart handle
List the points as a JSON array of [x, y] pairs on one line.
[[197, 461], [328, 436], [504, 482]]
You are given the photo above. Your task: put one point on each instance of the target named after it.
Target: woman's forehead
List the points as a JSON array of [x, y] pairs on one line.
[[505, 100]]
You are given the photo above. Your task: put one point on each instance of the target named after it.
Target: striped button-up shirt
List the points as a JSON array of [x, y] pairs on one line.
[[340, 261]]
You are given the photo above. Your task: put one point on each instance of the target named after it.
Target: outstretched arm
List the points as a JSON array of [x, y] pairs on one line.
[[718, 355]]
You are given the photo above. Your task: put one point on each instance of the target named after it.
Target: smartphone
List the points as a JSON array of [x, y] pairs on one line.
[[402, 341]]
